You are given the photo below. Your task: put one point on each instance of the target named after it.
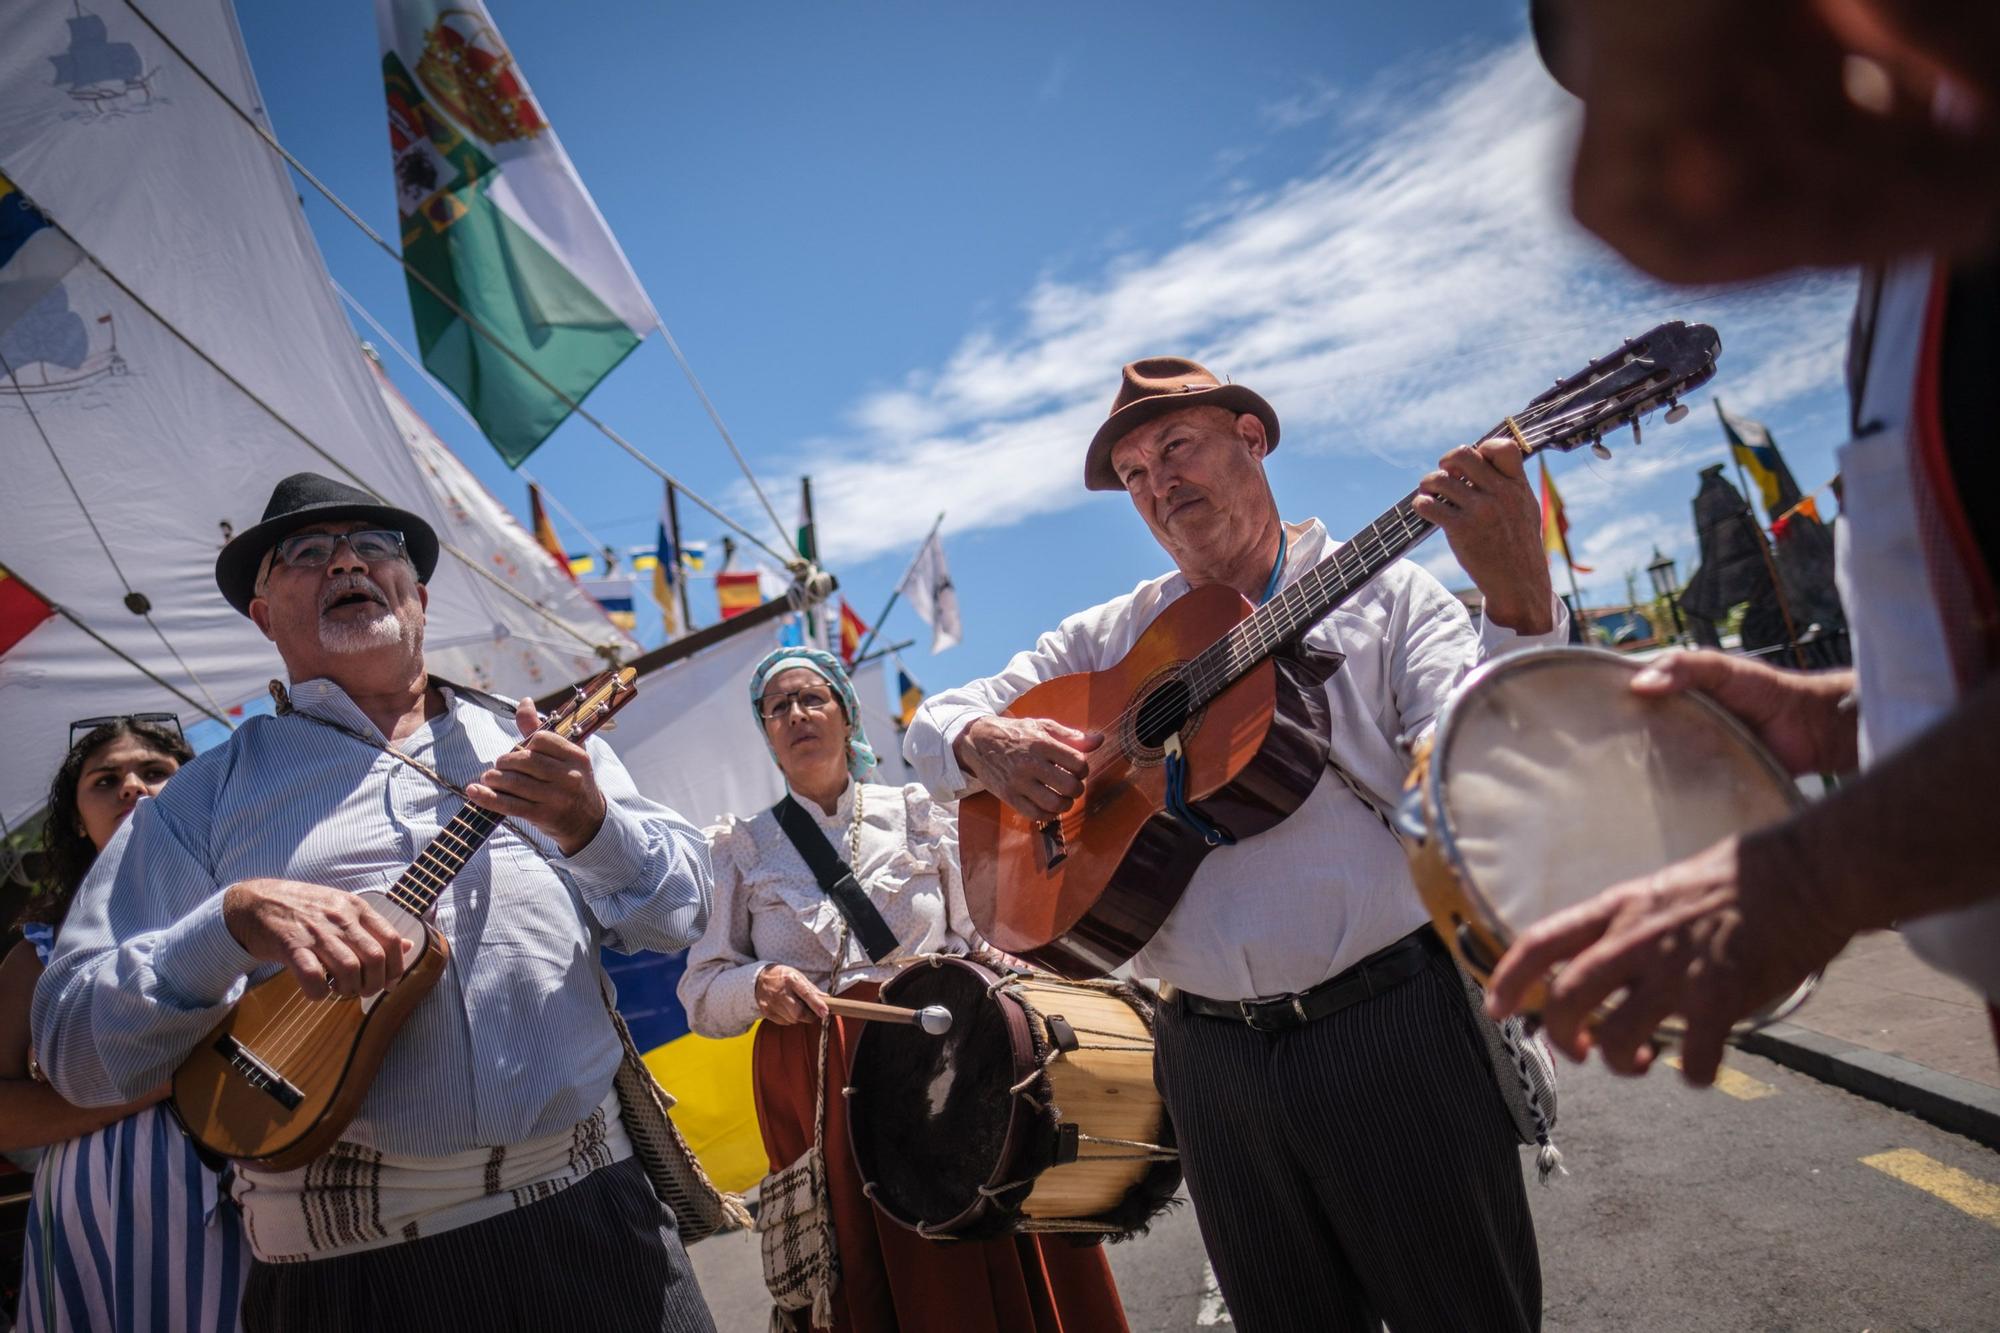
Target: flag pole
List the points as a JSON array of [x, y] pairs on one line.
[[808, 542], [1575, 595], [897, 591]]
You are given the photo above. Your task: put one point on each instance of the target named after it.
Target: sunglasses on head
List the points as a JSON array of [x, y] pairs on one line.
[[83, 726], [311, 550]]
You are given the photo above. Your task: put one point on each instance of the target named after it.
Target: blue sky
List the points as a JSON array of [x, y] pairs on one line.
[[908, 246]]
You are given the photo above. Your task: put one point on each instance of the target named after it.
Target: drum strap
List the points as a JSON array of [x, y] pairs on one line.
[[836, 880]]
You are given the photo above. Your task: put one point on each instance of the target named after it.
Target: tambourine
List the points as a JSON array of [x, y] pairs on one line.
[[1548, 780]]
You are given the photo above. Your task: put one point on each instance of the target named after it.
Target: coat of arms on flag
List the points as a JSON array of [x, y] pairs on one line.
[[497, 230]]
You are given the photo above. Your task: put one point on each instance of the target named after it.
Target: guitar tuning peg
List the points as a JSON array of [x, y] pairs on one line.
[[1676, 411], [1636, 437], [1601, 449]]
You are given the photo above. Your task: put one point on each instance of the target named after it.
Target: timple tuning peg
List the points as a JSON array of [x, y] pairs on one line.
[[1676, 411], [1601, 449]]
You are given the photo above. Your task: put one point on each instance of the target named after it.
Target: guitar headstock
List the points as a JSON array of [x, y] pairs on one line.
[[592, 705], [1645, 373]]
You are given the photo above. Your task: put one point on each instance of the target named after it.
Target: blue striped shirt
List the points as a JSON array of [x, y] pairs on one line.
[[513, 1043]]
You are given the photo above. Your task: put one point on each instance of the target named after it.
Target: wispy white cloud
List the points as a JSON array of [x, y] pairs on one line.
[[1420, 283]]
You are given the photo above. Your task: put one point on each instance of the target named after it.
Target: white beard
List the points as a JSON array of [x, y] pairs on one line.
[[385, 629]]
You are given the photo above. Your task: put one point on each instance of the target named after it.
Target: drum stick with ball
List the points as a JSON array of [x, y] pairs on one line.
[[934, 1019]]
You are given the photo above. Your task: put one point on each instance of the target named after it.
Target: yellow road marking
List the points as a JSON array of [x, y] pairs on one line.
[[1968, 1194], [1740, 1086]]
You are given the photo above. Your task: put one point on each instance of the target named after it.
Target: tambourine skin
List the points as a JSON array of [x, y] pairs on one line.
[[1558, 730]]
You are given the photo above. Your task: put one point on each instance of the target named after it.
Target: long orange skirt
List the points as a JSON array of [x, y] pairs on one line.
[[891, 1279]]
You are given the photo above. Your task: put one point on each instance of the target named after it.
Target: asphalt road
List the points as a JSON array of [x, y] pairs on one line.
[[1789, 1205]]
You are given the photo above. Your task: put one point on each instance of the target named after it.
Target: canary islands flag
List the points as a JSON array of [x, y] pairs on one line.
[[666, 576], [710, 1080], [498, 230], [1751, 444]]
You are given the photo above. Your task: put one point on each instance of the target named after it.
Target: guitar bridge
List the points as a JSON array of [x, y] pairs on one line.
[[258, 1074], [1054, 850]]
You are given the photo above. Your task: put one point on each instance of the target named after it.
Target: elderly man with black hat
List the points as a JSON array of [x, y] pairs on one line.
[[1348, 1149], [487, 1180]]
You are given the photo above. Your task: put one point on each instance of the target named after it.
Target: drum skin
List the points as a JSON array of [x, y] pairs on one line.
[[950, 1149], [1552, 746]]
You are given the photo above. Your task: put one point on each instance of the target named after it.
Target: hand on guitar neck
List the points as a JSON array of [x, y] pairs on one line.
[[1480, 496], [545, 781], [332, 942], [1035, 765]]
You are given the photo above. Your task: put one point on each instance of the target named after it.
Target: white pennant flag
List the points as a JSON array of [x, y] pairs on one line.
[[928, 588]]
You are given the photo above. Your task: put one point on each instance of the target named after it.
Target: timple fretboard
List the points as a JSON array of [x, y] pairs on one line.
[[418, 888]]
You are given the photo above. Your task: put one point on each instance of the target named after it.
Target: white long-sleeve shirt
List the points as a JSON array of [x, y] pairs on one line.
[[1292, 906], [770, 909]]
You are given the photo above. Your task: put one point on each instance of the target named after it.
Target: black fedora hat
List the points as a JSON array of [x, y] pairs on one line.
[[300, 500]]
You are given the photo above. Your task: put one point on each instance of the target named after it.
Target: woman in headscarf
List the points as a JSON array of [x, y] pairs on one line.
[[770, 954]]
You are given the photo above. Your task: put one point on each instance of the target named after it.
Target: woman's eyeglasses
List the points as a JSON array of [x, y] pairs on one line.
[[778, 706], [83, 726]]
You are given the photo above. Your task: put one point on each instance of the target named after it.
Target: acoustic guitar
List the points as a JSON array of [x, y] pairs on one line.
[[1219, 711], [276, 1082]]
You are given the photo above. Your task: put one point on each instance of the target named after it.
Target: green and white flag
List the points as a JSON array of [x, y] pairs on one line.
[[493, 214]]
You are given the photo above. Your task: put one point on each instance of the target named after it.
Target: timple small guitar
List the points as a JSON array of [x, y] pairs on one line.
[[1219, 684], [276, 1082]]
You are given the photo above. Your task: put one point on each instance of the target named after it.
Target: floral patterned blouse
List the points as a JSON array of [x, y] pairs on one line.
[[769, 909]]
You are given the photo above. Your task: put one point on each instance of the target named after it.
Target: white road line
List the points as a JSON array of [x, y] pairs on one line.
[[1213, 1311]]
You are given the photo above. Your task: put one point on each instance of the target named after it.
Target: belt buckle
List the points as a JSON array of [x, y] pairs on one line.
[[1253, 1013]]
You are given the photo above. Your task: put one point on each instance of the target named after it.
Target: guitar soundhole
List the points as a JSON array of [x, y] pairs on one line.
[[1162, 713]]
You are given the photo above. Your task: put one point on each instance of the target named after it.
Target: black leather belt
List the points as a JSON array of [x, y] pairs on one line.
[[1382, 970]]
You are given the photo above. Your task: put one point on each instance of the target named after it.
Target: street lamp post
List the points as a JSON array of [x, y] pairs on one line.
[[1667, 587]]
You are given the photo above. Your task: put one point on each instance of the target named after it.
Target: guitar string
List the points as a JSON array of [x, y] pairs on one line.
[[1349, 565], [1259, 633], [300, 1020]]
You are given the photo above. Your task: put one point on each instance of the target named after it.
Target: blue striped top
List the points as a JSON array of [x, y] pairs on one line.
[[128, 1232], [512, 1044]]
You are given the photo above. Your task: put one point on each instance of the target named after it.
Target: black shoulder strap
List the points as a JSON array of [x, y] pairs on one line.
[[836, 880]]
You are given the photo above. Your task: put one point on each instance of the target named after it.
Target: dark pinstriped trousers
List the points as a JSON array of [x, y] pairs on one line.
[[600, 1257], [1358, 1169]]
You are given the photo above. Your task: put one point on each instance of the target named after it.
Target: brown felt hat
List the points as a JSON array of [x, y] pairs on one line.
[[1154, 387]]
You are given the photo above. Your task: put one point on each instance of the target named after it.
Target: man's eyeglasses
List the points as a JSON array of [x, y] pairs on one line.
[[774, 707], [83, 726], [311, 550]]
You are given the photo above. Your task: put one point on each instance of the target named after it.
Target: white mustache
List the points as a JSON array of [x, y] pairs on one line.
[[351, 583]]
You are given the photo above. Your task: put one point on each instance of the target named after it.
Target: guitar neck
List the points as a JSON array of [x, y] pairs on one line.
[[419, 887], [1304, 603]]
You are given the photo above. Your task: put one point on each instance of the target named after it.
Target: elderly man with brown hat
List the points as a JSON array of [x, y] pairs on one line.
[[1349, 1154]]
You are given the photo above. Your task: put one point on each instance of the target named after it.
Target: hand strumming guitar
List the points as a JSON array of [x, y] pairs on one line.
[[331, 940], [548, 783], [1034, 765]]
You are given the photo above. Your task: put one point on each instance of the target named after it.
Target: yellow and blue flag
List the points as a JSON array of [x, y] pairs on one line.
[[710, 1080], [909, 695], [1751, 444]]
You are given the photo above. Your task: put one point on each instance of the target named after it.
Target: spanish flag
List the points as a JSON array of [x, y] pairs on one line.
[[736, 591], [909, 693], [852, 631], [1555, 523], [20, 610], [545, 533]]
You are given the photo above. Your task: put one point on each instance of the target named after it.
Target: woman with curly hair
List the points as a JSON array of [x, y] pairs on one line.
[[128, 1229]]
